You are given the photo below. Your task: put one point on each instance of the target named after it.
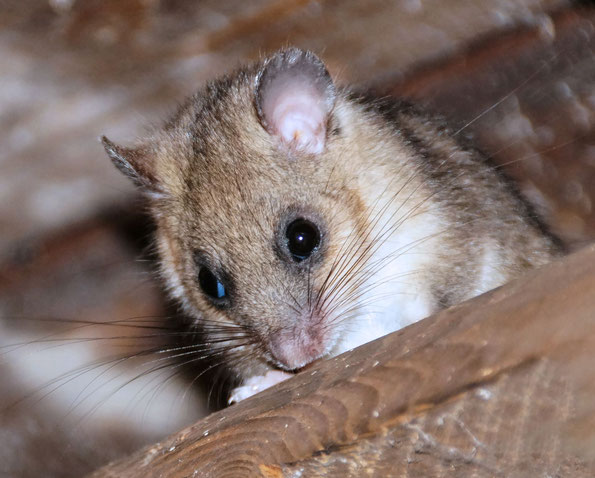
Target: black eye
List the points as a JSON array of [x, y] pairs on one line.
[[211, 286], [303, 238]]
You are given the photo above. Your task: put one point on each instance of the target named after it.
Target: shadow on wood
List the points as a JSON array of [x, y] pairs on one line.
[[501, 385]]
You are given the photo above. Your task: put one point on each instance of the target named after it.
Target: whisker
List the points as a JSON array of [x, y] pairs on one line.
[[508, 95]]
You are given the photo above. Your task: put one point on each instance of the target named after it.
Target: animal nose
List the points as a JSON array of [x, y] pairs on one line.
[[296, 348]]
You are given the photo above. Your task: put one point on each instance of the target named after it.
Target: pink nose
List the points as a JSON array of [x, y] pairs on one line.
[[295, 349]]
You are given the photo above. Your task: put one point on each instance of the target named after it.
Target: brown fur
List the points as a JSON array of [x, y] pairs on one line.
[[222, 187]]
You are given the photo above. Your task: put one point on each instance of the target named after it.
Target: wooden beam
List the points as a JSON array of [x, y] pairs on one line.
[[501, 385]]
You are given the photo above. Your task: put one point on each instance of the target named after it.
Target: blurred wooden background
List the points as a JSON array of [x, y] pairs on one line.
[[519, 76]]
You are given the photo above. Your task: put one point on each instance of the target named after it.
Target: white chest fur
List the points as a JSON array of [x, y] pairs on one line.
[[395, 292]]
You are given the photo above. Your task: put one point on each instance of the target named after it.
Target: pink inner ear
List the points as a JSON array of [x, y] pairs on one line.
[[296, 113]]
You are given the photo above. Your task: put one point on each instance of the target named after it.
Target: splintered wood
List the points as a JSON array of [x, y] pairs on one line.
[[501, 385]]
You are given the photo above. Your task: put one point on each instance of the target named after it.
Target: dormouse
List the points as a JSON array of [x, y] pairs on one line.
[[297, 219]]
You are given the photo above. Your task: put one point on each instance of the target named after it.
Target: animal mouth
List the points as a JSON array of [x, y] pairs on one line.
[[308, 366]]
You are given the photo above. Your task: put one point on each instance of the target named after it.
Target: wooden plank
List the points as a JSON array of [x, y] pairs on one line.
[[112, 66], [499, 385]]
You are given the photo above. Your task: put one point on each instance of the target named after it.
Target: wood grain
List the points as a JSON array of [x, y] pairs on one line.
[[497, 386], [73, 70]]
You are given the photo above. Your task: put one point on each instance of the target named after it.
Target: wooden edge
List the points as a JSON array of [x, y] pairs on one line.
[[384, 382]]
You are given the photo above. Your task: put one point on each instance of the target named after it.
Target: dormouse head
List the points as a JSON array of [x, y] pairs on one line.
[[250, 184]]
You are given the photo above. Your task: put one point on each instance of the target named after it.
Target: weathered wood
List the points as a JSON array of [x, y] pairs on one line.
[[501, 385], [72, 70]]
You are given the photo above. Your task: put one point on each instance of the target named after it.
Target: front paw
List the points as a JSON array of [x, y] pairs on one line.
[[257, 384]]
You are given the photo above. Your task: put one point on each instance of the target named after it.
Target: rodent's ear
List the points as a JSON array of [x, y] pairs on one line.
[[133, 163], [294, 98]]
